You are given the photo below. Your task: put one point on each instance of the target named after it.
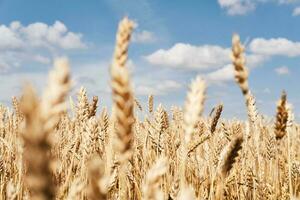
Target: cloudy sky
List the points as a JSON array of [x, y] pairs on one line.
[[174, 42]]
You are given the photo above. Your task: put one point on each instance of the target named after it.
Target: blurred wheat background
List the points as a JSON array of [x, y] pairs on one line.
[[54, 147]]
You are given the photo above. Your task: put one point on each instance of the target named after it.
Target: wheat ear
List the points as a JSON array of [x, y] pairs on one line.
[[122, 93], [93, 107], [226, 162], [41, 119], [150, 103], [192, 112], [216, 117], [281, 117], [239, 61]]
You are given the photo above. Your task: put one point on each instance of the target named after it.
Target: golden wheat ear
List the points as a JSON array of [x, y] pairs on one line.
[[218, 111], [229, 155], [239, 63], [281, 117], [121, 89], [93, 107], [38, 178], [41, 119], [227, 159], [241, 77], [150, 103], [194, 106]]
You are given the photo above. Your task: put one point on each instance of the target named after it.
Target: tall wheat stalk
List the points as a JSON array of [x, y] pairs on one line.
[[123, 101]]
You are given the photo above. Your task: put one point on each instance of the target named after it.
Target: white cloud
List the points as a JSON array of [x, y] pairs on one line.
[[243, 7], [275, 46], [255, 60], [296, 11], [153, 87], [9, 39], [237, 7], [55, 36], [284, 70], [226, 73], [35, 42], [143, 37], [188, 56], [215, 60]]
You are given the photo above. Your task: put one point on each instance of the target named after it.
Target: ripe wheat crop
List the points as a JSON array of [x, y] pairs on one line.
[[50, 150]]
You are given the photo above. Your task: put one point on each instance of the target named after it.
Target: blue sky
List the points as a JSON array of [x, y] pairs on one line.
[[173, 43]]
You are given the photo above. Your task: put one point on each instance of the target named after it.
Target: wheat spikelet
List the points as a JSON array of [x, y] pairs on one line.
[[104, 123], [93, 107], [137, 103], [252, 110], [82, 108], [281, 117], [216, 117], [150, 103]]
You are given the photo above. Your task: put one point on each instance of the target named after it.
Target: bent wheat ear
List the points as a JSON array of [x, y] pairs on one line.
[[216, 117], [241, 77], [229, 155], [93, 107], [226, 162], [239, 63], [281, 117]]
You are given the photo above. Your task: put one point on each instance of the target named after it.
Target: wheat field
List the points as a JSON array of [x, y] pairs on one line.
[[53, 148]]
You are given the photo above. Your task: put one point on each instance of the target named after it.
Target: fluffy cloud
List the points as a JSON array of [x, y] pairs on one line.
[[275, 46], [215, 60], [212, 58], [143, 37], [35, 42], [284, 70], [42, 35], [243, 7], [226, 73], [296, 11], [155, 88], [237, 7], [189, 56]]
